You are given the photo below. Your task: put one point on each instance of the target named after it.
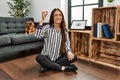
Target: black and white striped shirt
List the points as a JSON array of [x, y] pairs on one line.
[[52, 41]]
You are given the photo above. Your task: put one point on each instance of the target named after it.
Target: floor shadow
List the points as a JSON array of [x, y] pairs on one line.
[[4, 75]]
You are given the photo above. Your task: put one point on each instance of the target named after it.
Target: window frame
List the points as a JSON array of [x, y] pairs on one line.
[[100, 4]]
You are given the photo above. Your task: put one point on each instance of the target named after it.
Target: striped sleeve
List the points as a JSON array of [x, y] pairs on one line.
[[41, 30], [67, 43]]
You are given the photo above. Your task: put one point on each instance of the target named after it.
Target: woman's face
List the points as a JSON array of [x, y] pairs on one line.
[[57, 17]]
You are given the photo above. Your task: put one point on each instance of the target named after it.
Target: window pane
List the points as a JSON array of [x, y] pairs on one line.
[[76, 13], [90, 1], [76, 2], [88, 13]]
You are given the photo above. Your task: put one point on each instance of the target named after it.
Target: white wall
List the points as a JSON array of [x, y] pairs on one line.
[[64, 8], [4, 8], [37, 6], [35, 9]]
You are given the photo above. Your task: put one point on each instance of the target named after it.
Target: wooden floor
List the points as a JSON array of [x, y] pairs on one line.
[[26, 68]]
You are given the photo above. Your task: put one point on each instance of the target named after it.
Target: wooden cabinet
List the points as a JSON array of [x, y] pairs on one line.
[[80, 43], [118, 23], [99, 50], [106, 51]]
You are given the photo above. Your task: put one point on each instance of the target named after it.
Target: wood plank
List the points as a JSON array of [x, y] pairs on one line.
[[106, 62], [75, 41], [72, 41], [30, 71], [4, 75], [110, 57], [81, 31], [104, 39]]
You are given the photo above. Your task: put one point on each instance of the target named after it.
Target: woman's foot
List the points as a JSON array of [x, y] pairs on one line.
[[42, 69], [71, 67]]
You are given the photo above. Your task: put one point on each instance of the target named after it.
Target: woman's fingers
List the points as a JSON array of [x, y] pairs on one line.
[[44, 14], [70, 56]]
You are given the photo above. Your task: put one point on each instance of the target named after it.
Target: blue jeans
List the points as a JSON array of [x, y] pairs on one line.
[[45, 62]]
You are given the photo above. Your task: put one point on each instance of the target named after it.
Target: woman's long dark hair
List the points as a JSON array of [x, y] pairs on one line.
[[62, 26]]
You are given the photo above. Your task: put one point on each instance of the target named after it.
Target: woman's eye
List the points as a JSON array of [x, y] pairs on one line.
[[58, 15]]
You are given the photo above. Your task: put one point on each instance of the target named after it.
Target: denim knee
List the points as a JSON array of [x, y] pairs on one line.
[[39, 58]]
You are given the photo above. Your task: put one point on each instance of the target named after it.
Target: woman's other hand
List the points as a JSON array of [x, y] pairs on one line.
[[70, 55]]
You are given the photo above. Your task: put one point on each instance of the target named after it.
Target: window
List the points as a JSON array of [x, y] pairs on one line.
[[82, 10]]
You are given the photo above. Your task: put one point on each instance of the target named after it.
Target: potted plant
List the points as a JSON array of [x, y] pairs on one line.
[[110, 2], [19, 8]]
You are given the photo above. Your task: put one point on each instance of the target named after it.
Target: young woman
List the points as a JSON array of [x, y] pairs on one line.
[[56, 53]]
